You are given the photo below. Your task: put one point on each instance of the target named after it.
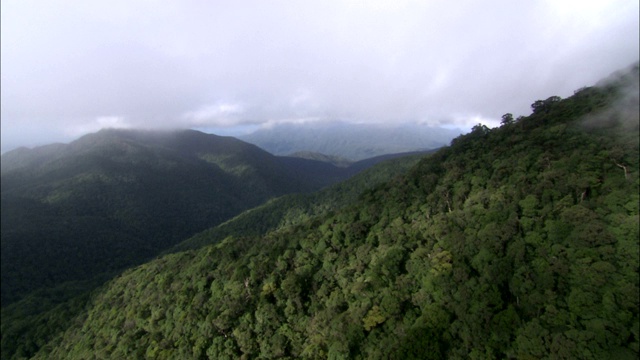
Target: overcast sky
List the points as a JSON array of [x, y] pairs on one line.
[[72, 67]]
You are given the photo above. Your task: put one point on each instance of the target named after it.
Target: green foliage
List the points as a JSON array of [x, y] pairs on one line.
[[544, 106], [295, 209], [373, 318], [507, 119], [517, 242], [117, 198]]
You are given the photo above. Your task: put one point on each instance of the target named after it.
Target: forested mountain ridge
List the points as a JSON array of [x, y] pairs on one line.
[[30, 322], [229, 154], [516, 242], [297, 208], [335, 160], [116, 198]]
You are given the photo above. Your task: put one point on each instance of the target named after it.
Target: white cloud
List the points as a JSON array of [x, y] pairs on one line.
[[297, 121], [101, 122], [168, 64], [116, 122], [219, 114]]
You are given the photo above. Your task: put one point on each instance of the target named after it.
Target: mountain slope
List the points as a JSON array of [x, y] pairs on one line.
[[41, 315], [118, 197], [517, 242], [332, 159], [297, 208]]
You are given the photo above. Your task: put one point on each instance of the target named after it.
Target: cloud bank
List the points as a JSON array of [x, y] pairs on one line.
[[70, 66]]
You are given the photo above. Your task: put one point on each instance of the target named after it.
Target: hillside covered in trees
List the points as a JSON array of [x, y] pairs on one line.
[[117, 198], [514, 242], [28, 322], [294, 209]]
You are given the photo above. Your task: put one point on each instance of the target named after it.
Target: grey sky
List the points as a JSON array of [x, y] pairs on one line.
[[72, 67]]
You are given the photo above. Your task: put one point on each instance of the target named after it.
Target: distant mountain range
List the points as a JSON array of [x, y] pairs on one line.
[[350, 141]]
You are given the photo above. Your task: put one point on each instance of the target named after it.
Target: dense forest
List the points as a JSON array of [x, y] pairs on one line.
[[27, 323], [297, 208], [117, 198], [514, 242]]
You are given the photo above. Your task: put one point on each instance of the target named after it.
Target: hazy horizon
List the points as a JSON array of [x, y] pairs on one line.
[[244, 133], [72, 67]]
